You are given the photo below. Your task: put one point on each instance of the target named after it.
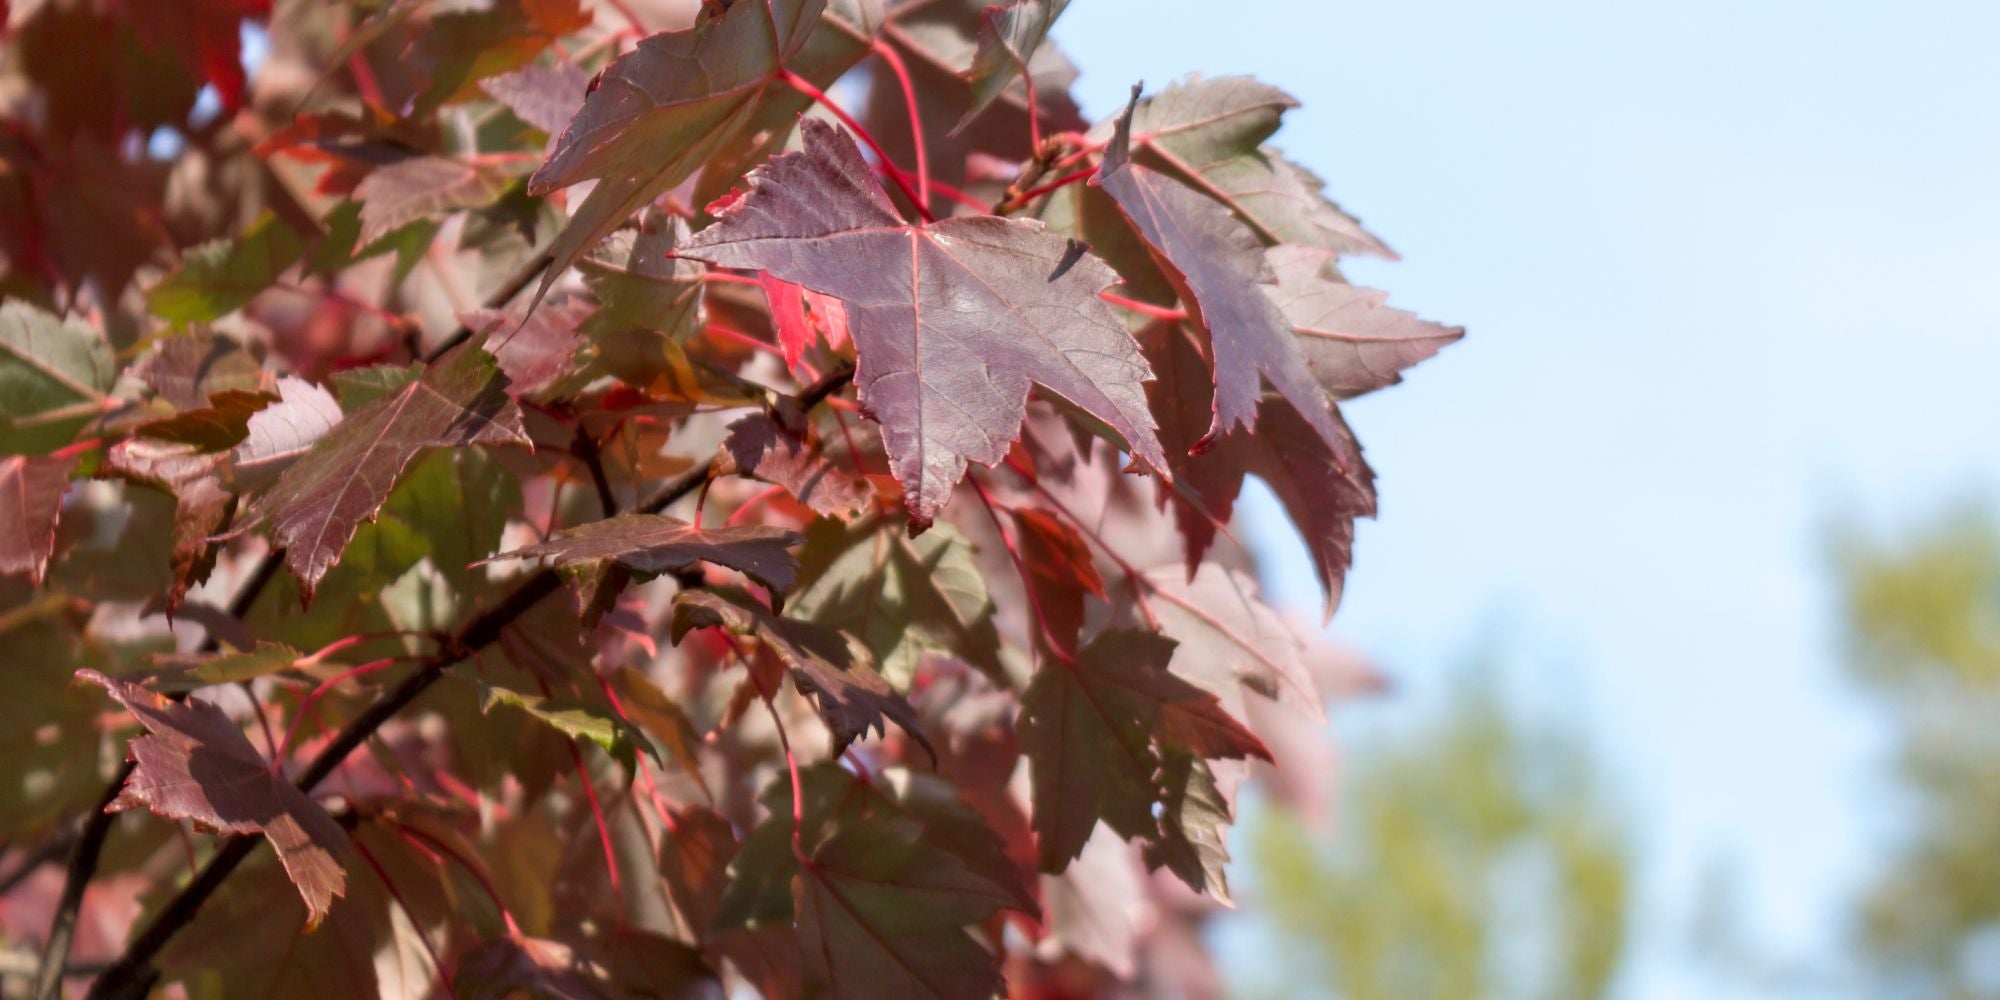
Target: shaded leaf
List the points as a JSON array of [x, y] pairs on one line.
[[1194, 816], [546, 97], [183, 672], [53, 376], [31, 492], [648, 299], [759, 446], [903, 597], [651, 710], [880, 913], [217, 427], [1097, 731], [1059, 569], [652, 544], [951, 321], [1229, 640], [201, 503], [195, 764], [318, 503], [533, 351], [221, 276], [1008, 38], [423, 187], [515, 965], [851, 697], [189, 370]]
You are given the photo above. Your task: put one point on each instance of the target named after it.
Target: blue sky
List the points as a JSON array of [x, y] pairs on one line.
[[1729, 270]]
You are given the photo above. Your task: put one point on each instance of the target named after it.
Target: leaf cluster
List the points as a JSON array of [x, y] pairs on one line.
[[620, 523]]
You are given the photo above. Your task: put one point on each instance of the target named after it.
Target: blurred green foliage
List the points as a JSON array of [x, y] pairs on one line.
[[1923, 636], [1474, 857]]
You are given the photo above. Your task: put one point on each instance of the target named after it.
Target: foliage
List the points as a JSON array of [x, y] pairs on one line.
[[1923, 631], [487, 387], [1477, 857]]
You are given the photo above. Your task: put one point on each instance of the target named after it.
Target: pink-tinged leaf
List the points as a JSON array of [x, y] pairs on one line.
[[1322, 489], [951, 321], [880, 913], [1097, 733], [201, 502], [546, 97], [422, 187], [1218, 267], [661, 111], [1008, 38], [318, 503], [759, 446], [1230, 642], [1099, 907], [31, 492], [535, 352], [517, 965], [826, 664], [655, 543], [278, 434], [195, 764], [1352, 341]]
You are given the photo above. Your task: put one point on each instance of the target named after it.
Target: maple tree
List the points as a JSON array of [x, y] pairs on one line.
[[438, 445]]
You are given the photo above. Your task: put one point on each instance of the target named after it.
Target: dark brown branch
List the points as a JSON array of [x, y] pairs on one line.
[[132, 975]]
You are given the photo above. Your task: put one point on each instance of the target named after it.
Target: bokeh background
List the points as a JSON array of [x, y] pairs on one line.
[[1683, 575]]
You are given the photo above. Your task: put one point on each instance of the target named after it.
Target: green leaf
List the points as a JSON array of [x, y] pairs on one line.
[[53, 376], [182, 672], [903, 597], [219, 277], [575, 720]]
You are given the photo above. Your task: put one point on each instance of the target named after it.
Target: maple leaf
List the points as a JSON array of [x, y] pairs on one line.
[[31, 492], [1323, 489], [759, 446], [951, 321], [546, 97], [851, 697], [536, 350], [1218, 267], [904, 598], [800, 317], [1096, 730], [880, 914], [53, 376], [183, 672], [201, 503], [615, 736], [1230, 641], [188, 371], [317, 504], [1008, 38], [221, 276], [195, 764], [1208, 133], [1352, 342], [648, 299], [661, 111], [423, 187], [652, 544], [1060, 571], [277, 435]]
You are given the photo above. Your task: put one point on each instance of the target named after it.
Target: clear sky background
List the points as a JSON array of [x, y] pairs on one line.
[[1729, 270]]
